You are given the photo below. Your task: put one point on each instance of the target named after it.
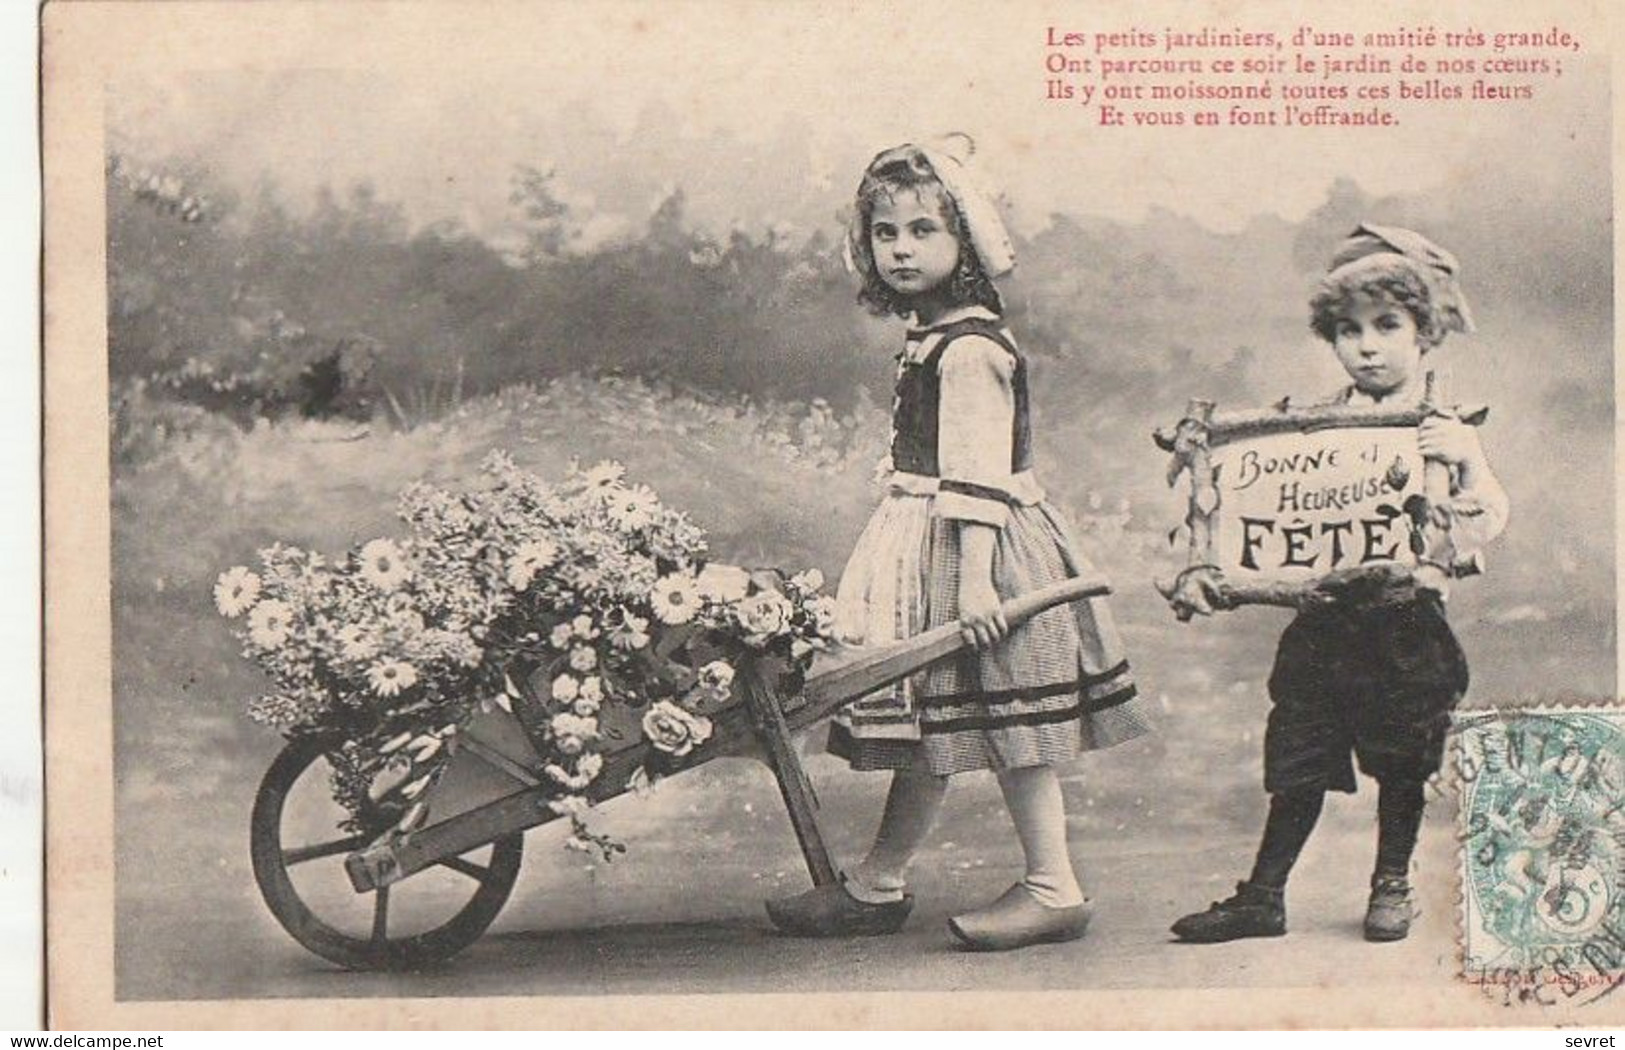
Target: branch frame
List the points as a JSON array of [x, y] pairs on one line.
[[1201, 586]]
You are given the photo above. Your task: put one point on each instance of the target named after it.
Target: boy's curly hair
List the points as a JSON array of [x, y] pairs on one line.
[[1390, 277], [909, 171]]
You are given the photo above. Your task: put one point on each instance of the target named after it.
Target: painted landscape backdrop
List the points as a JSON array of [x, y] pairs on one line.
[[286, 354]]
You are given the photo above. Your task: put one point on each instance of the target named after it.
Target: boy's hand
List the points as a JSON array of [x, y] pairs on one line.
[[1198, 591], [1449, 440], [981, 622]]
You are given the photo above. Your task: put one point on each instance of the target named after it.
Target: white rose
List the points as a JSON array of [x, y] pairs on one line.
[[717, 675], [765, 614], [566, 724], [723, 583], [673, 730], [808, 581], [823, 613]]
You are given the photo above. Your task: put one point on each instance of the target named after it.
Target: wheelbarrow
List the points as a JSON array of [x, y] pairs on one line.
[[341, 897]]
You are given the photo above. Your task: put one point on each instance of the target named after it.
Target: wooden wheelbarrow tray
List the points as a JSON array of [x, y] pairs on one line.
[[759, 720]]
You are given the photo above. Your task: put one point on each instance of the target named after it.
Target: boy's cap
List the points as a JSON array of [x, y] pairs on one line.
[[1438, 265]]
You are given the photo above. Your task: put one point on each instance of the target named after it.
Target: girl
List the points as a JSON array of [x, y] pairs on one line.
[[964, 527]]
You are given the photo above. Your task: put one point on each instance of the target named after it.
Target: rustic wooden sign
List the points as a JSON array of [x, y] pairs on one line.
[[1285, 499]]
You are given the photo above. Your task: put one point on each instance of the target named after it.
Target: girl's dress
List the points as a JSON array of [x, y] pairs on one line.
[[962, 452]]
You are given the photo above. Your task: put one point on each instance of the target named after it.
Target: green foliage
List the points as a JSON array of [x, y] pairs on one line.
[[252, 311]]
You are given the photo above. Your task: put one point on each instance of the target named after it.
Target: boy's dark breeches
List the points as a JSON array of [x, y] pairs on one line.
[[1375, 679]]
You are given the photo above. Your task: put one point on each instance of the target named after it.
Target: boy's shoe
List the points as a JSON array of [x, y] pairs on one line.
[[1255, 911], [1016, 920], [1391, 909], [830, 911]]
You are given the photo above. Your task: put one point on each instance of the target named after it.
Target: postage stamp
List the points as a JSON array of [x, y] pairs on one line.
[[1543, 835]]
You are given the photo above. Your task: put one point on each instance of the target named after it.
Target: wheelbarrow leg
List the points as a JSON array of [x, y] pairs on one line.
[[793, 783]]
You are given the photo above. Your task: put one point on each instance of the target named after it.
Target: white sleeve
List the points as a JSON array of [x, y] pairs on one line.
[[975, 431], [1479, 510]]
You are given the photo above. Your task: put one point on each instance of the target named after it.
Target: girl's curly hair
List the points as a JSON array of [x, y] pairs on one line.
[[1390, 277], [907, 170]]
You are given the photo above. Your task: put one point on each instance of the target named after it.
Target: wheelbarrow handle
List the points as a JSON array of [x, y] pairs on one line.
[[828, 691]]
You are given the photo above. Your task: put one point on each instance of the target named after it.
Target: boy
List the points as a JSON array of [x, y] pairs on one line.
[[1375, 669]]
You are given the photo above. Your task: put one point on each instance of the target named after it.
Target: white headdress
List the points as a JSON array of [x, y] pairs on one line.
[[947, 159]]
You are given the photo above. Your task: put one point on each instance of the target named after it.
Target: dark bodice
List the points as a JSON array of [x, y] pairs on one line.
[[916, 418]]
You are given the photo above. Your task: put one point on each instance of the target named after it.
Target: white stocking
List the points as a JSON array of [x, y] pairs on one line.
[[911, 809], [1033, 796]]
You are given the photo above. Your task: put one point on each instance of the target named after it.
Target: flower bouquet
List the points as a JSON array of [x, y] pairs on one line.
[[566, 604]]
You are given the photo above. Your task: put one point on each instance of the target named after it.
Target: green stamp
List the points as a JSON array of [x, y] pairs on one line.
[[1543, 851]]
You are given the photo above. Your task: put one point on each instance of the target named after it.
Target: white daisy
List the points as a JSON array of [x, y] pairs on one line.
[[390, 677], [560, 638], [357, 643], [632, 508], [583, 658], [531, 557], [675, 598], [566, 688], [236, 591], [584, 627], [603, 475], [270, 623], [383, 565], [592, 689], [632, 633]]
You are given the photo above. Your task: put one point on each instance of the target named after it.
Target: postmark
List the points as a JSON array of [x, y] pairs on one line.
[[1543, 840]]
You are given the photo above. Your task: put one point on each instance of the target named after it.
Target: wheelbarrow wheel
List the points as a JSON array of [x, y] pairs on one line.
[[298, 861]]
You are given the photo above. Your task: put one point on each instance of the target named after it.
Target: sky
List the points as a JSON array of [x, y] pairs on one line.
[[767, 113]]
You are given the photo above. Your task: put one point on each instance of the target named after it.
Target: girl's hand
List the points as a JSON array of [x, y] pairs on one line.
[[981, 622], [1449, 441]]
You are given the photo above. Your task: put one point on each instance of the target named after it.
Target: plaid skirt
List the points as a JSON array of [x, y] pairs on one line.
[[1057, 686]]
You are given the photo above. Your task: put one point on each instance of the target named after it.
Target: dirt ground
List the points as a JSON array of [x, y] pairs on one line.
[[682, 912]]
